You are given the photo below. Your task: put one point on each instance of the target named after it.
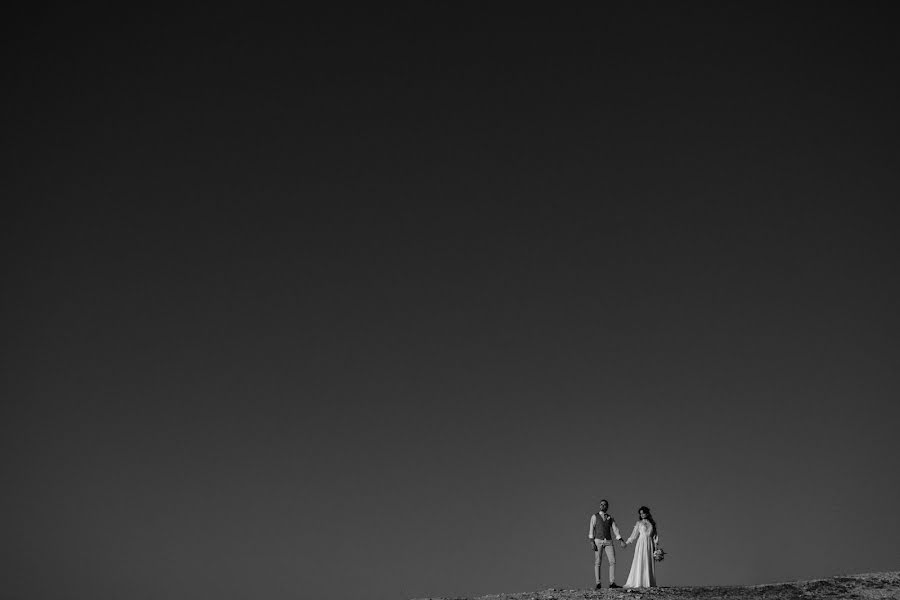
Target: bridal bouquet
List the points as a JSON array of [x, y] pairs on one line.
[[659, 554]]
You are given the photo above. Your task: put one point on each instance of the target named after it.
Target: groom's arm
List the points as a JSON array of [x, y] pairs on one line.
[[615, 530], [591, 532]]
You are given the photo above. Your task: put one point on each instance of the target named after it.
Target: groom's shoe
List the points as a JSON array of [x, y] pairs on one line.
[[598, 586], [613, 585]]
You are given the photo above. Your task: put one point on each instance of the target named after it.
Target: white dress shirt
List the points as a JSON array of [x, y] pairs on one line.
[[613, 527]]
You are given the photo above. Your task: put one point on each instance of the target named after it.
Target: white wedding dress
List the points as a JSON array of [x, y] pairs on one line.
[[643, 569]]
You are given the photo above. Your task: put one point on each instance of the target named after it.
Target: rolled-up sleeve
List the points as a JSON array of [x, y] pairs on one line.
[[615, 530], [591, 527]]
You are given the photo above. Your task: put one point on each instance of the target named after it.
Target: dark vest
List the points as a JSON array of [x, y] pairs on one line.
[[603, 529]]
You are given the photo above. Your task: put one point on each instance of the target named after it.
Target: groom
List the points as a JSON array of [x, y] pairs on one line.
[[600, 532]]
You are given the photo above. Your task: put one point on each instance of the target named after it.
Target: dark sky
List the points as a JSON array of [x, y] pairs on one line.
[[380, 304]]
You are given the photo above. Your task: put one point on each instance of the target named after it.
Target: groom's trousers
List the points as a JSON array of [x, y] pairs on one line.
[[605, 547]]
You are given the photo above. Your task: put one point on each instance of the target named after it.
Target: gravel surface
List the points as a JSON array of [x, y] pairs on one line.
[[865, 586]]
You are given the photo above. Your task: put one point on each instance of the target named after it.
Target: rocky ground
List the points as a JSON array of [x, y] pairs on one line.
[[866, 586]]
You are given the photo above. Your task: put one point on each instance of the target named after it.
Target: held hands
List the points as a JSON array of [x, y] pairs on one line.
[[623, 543]]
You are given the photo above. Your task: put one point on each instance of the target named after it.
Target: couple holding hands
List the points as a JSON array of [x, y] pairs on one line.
[[603, 530]]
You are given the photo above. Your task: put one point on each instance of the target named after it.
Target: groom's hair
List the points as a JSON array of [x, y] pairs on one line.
[[602, 500]]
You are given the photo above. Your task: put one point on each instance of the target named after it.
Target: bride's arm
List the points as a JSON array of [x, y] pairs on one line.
[[635, 533]]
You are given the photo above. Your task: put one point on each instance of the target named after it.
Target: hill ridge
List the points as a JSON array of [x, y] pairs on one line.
[[860, 586]]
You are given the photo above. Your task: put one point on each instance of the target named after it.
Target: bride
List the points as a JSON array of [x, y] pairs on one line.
[[643, 571]]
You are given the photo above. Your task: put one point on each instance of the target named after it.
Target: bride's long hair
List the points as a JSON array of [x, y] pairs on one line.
[[649, 518]]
